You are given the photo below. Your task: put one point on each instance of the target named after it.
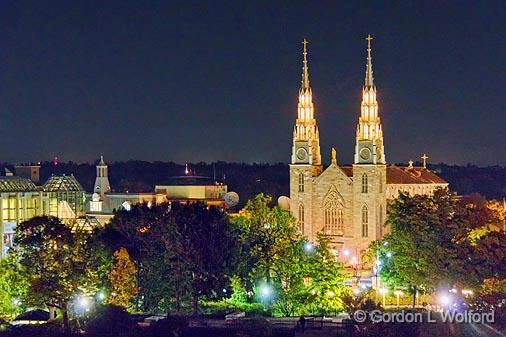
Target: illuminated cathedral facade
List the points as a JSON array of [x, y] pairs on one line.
[[348, 203]]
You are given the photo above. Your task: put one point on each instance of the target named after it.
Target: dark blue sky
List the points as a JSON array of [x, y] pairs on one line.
[[195, 81]]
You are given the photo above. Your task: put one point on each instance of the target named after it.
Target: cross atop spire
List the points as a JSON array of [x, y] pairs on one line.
[[305, 71], [369, 80]]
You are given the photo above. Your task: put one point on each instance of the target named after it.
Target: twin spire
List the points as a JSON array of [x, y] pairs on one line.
[[369, 79], [369, 128]]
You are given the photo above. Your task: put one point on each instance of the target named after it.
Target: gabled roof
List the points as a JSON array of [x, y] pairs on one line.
[[62, 183], [405, 175], [16, 184], [413, 175]]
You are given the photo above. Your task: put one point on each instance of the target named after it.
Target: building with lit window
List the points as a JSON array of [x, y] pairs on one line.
[[348, 203], [188, 188], [21, 199], [64, 197]]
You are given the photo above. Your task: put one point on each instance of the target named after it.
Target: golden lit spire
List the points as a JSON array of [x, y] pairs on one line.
[[305, 71], [305, 129], [369, 80], [369, 124]]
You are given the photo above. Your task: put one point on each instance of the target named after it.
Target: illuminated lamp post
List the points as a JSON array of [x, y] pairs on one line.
[[398, 293], [383, 292]]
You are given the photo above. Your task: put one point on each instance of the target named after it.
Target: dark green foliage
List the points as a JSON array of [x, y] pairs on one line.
[[182, 253], [110, 321], [13, 287]]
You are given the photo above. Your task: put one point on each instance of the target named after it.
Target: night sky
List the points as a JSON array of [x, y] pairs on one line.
[[195, 81]]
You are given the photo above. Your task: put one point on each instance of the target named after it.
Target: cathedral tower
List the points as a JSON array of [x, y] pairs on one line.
[[306, 138], [102, 180], [369, 141], [306, 160], [369, 169]]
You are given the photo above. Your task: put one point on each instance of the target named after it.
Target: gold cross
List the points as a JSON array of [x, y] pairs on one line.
[[410, 164], [424, 158], [305, 42], [369, 38]]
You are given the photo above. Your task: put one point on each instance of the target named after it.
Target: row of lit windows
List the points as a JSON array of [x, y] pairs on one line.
[[14, 209]]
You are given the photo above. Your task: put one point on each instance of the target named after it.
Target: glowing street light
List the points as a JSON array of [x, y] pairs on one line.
[[356, 291], [100, 296], [346, 252], [83, 303], [265, 292], [308, 247], [389, 254], [445, 300]]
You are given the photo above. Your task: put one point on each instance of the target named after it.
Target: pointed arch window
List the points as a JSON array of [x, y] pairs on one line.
[[333, 212], [301, 218], [365, 221], [364, 183], [301, 182]]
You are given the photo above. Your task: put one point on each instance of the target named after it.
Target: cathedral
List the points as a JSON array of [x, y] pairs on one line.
[[348, 203]]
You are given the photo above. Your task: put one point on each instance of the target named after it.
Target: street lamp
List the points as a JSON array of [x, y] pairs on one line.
[[398, 293], [266, 293], [383, 292], [100, 296], [83, 302], [308, 247]]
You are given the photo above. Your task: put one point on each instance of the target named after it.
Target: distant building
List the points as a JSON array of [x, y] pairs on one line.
[[188, 188], [193, 188], [31, 172], [21, 199]]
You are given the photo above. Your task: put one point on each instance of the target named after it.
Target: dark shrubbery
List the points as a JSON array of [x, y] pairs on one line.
[[170, 326], [111, 321], [44, 330]]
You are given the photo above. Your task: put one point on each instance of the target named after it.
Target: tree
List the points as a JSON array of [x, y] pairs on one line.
[[56, 263], [433, 241], [182, 252], [13, 287], [123, 280], [200, 250], [267, 233], [326, 286], [305, 276], [139, 231]]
